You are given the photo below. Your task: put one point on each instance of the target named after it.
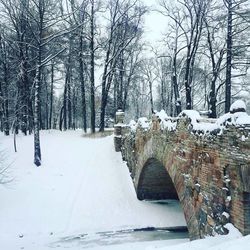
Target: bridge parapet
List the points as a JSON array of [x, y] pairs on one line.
[[206, 161]]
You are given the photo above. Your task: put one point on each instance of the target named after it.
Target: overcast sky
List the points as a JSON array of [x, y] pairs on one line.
[[155, 23]]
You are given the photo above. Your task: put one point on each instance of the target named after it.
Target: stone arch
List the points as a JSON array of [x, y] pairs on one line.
[[158, 181], [155, 183]]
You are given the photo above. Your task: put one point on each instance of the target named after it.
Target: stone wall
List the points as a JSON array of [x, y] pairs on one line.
[[210, 173]]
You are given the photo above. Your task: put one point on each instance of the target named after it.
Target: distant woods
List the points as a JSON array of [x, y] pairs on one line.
[[206, 59], [67, 64]]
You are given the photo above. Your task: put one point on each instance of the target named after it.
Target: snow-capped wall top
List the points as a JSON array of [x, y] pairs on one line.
[[236, 117], [133, 125], [162, 115], [192, 114], [238, 106], [144, 123]]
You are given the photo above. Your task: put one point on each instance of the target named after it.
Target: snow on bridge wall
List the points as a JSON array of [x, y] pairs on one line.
[[210, 172]]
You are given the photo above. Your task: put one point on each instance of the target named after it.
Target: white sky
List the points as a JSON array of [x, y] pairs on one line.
[[155, 23]]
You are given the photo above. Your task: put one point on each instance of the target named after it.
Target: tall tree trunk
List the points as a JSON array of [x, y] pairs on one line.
[[65, 101], [175, 84], [37, 148], [151, 97], [31, 116], [61, 118], [6, 103], [104, 101], [4, 97], [37, 94], [104, 91], [83, 94], [2, 108], [121, 80], [103, 111], [69, 103], [51, 95], [229, 57], [92, 69], [187, 82], [23, 93], [171, 97], [115, 99], [74, 103], [212, 100], [46, 106]]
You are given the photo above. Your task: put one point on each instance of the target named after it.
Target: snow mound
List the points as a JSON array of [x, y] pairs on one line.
[[238, 106], [144, 123], [237, 119], [132, 125], [233, 231], [166, 121], [192, 114], [162, 115]]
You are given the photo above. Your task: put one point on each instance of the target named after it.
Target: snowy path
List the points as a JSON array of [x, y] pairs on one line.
[[82, 187]]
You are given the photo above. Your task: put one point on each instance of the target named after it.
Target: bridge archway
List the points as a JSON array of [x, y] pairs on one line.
[[210, 197], [155, 183]]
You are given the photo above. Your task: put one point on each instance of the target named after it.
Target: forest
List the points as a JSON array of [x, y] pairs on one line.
[[69, 64]]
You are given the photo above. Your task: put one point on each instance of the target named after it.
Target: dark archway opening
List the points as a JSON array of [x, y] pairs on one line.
[[155, 183]]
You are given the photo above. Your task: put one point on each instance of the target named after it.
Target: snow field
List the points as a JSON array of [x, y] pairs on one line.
[[82, 187]]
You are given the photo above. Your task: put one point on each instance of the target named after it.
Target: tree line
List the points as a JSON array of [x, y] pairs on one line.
[[206, 61], [67, 64]]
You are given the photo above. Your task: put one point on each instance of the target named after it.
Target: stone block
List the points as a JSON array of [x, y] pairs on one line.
[[210, 221]]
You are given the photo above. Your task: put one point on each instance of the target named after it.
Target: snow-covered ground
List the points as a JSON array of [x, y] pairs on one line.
[[82, 188]]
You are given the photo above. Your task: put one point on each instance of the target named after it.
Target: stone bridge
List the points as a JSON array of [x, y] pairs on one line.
[[205, 164]]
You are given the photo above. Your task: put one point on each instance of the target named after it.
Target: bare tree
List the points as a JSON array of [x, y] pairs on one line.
[[189, 16], [216, 57], [124, 27]]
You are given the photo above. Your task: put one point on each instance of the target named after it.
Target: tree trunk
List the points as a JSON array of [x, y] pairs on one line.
[[65, 101], [37, 148], [1, 108], [104, 89], [229, 57], [103, 111], [37, 96], [151, 97], [175, 84], [187, 82], [74, 103], [83, 94], [51, 95], [4, 97], [92, 69], [104, 101], [61, 118], [46, 106], [121, 80], [69, 103]]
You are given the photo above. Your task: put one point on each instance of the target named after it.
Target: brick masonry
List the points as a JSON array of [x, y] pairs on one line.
[[210, 174]]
